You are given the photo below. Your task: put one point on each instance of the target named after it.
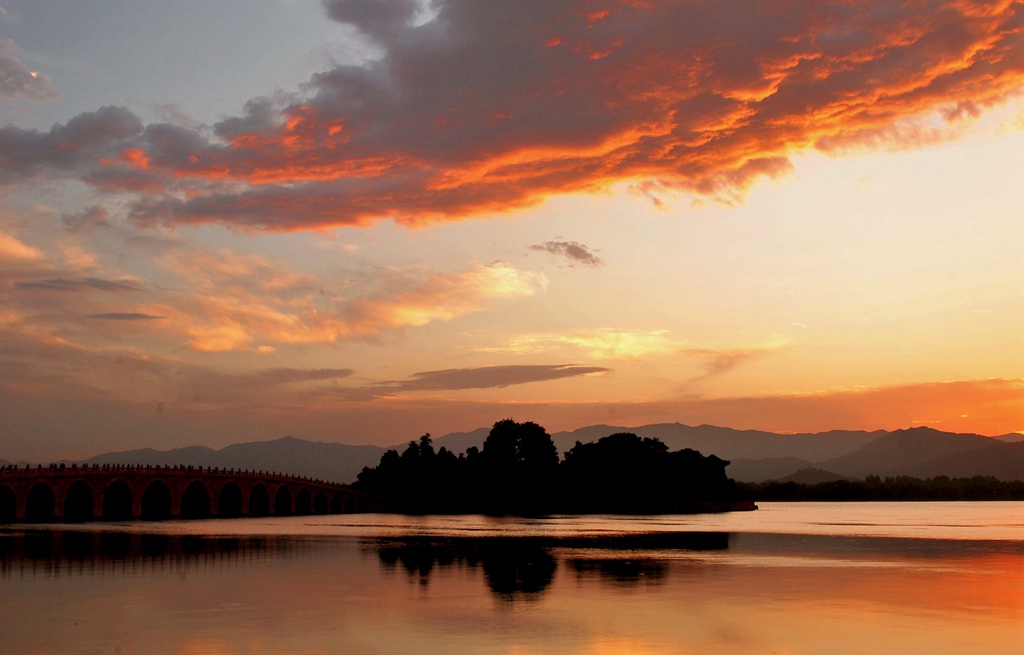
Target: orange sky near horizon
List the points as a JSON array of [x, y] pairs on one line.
[[363, 221]]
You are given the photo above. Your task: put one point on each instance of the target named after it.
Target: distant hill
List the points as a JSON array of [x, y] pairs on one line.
[[756, 456], [759, 470], [333, 462], [1004, 461], [458, 442], [734, 444], [812, 476], [1014, 437], [899, 452]]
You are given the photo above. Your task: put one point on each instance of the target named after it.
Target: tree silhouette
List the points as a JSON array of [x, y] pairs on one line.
[[518, 472], [520, 463]]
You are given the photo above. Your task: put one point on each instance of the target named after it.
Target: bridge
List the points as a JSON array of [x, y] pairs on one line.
[[120, 493]]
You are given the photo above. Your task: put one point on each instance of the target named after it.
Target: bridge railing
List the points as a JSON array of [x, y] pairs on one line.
[[50, 470]]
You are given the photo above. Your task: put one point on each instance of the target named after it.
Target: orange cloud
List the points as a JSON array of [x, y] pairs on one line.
[[472, 113], [16, 254], [246, 302], [618, 344]]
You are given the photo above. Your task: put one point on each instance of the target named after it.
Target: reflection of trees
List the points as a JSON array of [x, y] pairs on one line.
[[521, 568], [515, 569], [518, 570], [625, 572]]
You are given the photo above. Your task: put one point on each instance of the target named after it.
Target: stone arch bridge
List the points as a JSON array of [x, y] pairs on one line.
[[120, 493]]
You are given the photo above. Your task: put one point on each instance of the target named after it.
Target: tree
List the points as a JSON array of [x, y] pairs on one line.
[[520, 463]]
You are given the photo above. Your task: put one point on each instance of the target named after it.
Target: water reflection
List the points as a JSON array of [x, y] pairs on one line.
[[597, 591], [522, 568], [53, 551], [513, 568], [624, 572]]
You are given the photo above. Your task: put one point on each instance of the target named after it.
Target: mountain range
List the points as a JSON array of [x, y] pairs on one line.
[[755, 455]]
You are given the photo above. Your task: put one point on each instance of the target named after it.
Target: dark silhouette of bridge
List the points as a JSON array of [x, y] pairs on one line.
[[119, 493]]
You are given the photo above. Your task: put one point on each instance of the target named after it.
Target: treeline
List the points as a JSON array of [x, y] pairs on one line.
[[888, 489], [518, 471]]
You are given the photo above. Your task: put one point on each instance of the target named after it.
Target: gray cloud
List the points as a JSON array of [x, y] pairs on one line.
[[722, 360], [125, 316], [91, 217], [17, 81], [575, 252], [288, 375], [489, 377], [75, 148], [380, 19], [78, 284]]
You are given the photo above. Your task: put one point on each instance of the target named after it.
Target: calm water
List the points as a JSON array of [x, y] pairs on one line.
[[790, 578]]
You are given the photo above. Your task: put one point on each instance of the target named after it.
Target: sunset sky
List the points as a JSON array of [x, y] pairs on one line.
[[363, 220]]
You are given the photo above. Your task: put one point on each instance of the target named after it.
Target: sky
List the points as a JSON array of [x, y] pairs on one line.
[[364, 220]]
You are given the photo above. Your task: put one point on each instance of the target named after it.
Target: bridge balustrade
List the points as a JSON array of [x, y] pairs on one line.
[[126, 492]]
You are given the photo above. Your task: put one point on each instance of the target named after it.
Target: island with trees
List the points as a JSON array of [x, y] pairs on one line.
[[518, 471], [874, 488]]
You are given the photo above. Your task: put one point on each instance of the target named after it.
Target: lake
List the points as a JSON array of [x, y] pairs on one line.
[[789, 578]]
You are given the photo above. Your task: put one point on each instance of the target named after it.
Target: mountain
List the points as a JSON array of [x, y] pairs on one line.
[[1013, 437], [812, 476], [1004, 461], [458, 442], [899, 452], [333, 462], [756, 456], [770, 468], [734, 444]]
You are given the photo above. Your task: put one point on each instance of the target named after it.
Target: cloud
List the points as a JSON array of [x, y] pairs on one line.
[[575, 252], [78, 284], [17, 81], [619, 344], [489, 377], [602, 343], [243, 302], [125, 316], [253, 388], [85, 144], [384, 21], [93, 216], [475, 109], [419, 296], [722, 360], [15, 254]]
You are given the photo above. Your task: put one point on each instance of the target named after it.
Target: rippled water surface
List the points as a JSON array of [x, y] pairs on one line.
[[789, 578]]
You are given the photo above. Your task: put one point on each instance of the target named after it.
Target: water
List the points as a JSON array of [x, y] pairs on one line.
[[790, 578]]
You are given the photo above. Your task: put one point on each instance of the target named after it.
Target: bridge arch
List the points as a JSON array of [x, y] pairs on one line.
[[78, 502], [156, 501], [229, 501], [195, 501], [114, 492], [302, 502], [40, 504], [320, 504], [117, 501], [8, 505], [259, 500], [283, 501]]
